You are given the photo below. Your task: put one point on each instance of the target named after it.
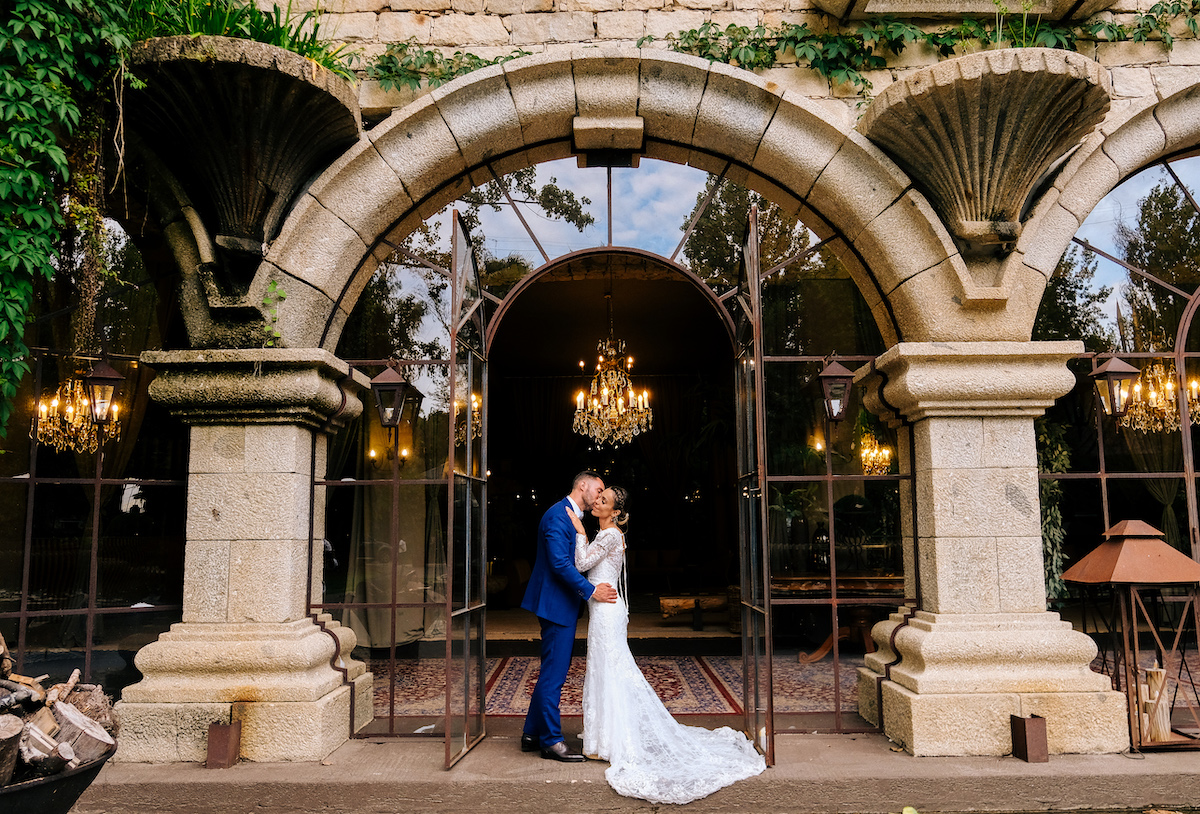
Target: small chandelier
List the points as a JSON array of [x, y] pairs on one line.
[[69, 420], [476, 421], [1152, 406], [876, 458], [614, 413]]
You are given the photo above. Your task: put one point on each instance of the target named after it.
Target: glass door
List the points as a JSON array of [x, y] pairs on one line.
[[755, 596], [467, 589]]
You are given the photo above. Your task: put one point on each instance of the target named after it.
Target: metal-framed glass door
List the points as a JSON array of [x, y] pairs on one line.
[[755, 595], [466, 592]]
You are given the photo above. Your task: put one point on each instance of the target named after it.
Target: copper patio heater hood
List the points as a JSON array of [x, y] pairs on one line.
[[1159, 684]]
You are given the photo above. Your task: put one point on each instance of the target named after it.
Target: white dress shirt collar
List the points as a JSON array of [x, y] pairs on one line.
[[575, 507]]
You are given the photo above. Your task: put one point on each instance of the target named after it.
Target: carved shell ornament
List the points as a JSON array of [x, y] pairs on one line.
[[977, 133]]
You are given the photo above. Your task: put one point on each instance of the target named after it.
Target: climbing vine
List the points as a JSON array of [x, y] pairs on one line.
[[53, 54], [846, 57], [410, 65]]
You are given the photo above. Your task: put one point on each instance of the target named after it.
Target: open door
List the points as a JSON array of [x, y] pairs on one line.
[[466, 591], [755, 579]]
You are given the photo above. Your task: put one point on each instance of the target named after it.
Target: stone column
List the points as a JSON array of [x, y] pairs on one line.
[[982, 645], [247, 649]]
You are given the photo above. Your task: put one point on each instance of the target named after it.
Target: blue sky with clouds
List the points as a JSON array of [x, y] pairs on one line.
[[652, 203]]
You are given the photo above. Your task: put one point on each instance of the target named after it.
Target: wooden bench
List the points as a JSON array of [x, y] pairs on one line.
[[697, 605]]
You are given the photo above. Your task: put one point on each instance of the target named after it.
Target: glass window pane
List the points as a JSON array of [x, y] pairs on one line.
[[1161, 502], [795, 419], [813, 308], [117, 639], [409, 691], [60, 558], [13, 502], [141, 545], [403, 564]]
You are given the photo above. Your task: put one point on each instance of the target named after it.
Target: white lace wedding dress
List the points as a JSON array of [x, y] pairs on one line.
[[652, 756]]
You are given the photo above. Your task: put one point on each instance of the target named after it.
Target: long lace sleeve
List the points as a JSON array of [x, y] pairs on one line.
[[587, 555]]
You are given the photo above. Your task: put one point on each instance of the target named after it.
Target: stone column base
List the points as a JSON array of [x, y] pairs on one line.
[[274, 678], [271, 731], [955, 679], [978, 724]]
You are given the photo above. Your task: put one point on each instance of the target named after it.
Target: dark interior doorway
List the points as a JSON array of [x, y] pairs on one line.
[[683, 532]]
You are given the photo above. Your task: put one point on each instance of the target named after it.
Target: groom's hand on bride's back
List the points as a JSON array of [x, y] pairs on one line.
[[605, 593]]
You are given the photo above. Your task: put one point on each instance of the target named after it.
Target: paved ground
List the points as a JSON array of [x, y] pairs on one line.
[[814, 773]]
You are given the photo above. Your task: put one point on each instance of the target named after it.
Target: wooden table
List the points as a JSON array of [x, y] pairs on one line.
[[858, 616], [697, 605]]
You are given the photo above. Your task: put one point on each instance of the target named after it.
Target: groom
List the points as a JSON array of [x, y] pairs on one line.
[[556, 595]]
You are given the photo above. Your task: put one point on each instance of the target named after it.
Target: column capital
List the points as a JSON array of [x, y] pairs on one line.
[[915, 380], [307, 386]]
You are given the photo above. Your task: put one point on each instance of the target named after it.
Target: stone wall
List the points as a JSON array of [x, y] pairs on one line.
[[1142, 73]]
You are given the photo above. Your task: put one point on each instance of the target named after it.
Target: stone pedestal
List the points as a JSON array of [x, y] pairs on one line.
[[247, 649], [982, 645]]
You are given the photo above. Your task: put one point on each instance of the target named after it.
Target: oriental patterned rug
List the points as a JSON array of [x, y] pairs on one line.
[[687, 685]]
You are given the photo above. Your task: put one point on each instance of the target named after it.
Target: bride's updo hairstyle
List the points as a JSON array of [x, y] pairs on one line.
[[620, 496]]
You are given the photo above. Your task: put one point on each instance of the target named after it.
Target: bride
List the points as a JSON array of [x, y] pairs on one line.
[[652, 755]]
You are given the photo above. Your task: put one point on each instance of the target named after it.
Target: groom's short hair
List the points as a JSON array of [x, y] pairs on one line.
[[586, 474]]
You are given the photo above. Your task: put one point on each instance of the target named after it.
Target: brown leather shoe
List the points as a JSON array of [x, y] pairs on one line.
[[559, 752]]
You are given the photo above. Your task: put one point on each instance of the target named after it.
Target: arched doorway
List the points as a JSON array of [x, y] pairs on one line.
[[827, 517]]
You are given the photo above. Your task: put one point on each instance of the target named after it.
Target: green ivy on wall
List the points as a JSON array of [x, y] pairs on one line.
[[53, 53], [410, 65], [845, 57]]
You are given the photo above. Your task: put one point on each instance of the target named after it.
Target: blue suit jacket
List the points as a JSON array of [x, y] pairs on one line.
[[556, 589]]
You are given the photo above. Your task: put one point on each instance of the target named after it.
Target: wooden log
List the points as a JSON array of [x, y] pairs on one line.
[[44, 720], [35, 744], [671, 605], [87, 737], [10, 745], [59, 692], [61, 757]]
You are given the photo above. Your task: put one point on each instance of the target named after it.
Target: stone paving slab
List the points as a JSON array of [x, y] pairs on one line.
[[814, 773]]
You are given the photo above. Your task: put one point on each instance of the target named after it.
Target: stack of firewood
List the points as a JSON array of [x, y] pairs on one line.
[[47, 731]]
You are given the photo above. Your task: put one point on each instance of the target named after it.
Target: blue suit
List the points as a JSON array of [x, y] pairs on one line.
[[556, 595]]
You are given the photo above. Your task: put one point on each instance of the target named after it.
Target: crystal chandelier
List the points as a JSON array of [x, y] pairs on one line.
[[1153, 406], [476, 419], [613, 413], [65, 421], [876, 458]]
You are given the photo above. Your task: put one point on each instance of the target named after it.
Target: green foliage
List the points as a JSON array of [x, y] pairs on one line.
[[845, 57], [1165, 241], [271, 299], [53, 53], [1054, 455], [410, 65], [297, 32], [1071, 308]]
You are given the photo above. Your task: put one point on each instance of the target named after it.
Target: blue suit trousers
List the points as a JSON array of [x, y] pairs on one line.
[[544, 720]]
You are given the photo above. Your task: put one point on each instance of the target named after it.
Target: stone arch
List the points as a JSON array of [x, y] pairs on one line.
[[1171, 126], [525, 112]]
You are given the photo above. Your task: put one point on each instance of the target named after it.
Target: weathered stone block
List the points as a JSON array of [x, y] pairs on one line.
[[294, 731], [735, 111], [620, 25], [467, 6], [282, 564], [1042, 247], [961, 573], [258, 506], [544, 97], [480, 113], [315, 245], [460, 30], [856, 185], [157, 733], [1171, 79], [1131, 53], [340, 190], [928, 725], [606, 82], [669, 90], [350, 27], [590, 6], [1081, 723], [663, 23], [927, 244], [418, 145], [724, 19], [206, 581], [403, 26], [1022, 581], [1133, 82]]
